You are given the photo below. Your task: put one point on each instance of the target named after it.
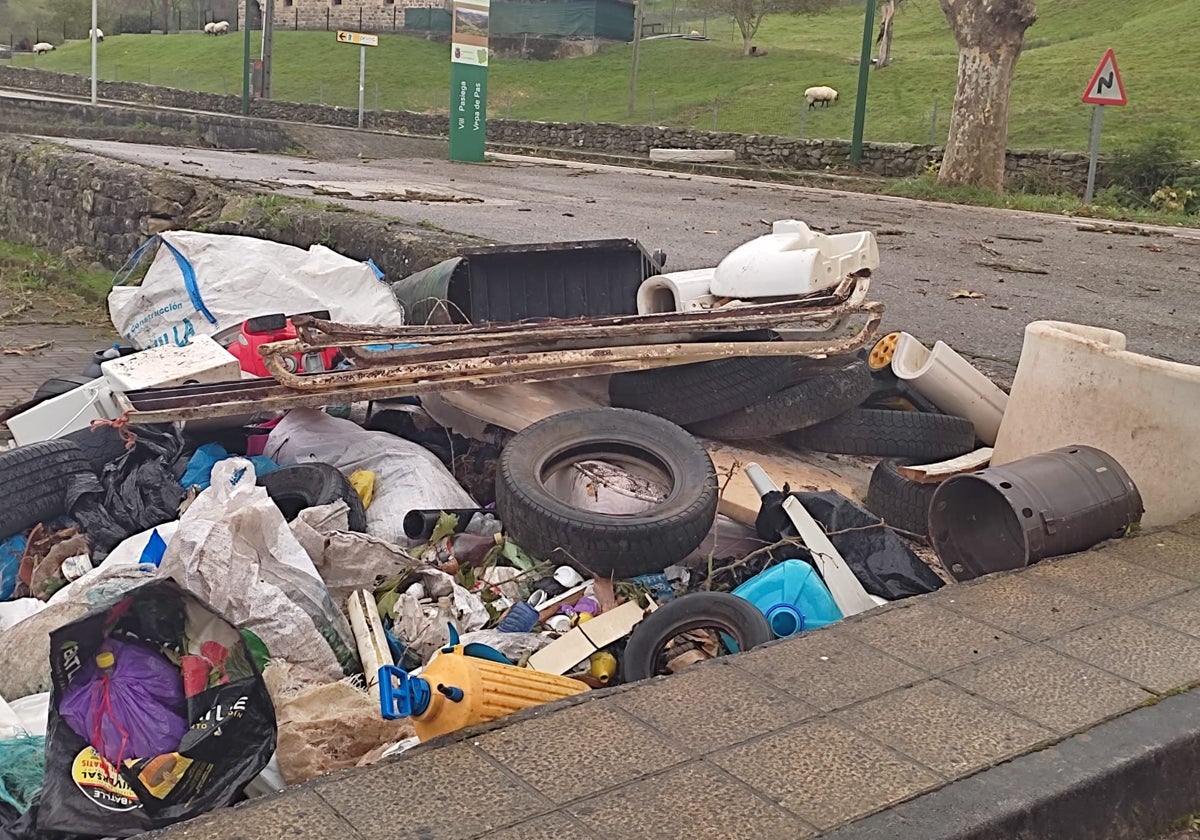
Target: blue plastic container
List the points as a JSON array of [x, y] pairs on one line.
[[793, 598]]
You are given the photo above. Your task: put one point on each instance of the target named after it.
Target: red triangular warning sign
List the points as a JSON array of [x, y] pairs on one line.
[[1106, 87]]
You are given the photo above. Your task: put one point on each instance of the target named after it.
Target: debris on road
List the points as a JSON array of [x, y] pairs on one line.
[[334, 517]]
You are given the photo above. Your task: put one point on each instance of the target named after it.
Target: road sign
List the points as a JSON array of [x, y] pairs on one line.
[[1106, 88], [360, 39]]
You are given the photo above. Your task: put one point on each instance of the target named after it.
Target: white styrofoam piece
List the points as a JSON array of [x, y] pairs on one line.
[[676, 291], [65, 413], [951, 383], [792, 261], [201, 360]]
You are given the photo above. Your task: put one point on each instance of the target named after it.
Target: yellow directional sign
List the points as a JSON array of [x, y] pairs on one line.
[[360, 39]]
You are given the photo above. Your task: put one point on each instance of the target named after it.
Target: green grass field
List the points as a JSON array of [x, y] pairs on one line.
[[699, 83]]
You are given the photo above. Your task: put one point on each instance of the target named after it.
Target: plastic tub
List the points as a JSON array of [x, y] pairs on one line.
[[1046, 505], [792, 261], [793, 598]]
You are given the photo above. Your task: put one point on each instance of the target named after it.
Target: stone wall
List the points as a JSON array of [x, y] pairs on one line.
[[89, 207], [355, 15], [1059, 169]]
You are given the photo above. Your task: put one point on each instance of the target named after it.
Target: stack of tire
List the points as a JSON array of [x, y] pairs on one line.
[[843, 405]]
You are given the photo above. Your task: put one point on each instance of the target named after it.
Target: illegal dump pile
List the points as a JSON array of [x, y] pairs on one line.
[[255, 546]]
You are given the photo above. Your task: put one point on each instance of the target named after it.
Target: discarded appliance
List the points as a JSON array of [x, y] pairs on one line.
[[793, 598], [1076, 383], [951, 383], [456, 690], [200, 360], [790, 262], [1007, 517], [265, 329], [69, 412], [515, 282]]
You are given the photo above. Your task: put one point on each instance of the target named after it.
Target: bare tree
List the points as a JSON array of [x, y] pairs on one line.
[[990, 34], [887, 12], [749, 14]]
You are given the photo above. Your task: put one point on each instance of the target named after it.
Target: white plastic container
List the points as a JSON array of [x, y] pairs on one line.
[[792, 261], [951, 383], [1077, 384], [65, 413], [202, 360], [676, 291]]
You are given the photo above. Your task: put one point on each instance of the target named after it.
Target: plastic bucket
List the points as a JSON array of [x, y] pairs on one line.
[[1045, 505]]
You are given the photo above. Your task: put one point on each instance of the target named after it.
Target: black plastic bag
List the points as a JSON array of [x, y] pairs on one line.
[[879, 558], [137, 491], [231, 735]]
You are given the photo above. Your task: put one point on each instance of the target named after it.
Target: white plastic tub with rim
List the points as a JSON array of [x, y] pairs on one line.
[[1078, 384], [950, 382]]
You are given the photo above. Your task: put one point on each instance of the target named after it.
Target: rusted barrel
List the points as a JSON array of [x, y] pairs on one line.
[[1010, 516]]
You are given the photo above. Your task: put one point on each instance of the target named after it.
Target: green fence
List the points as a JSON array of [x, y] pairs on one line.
[[571, 19]]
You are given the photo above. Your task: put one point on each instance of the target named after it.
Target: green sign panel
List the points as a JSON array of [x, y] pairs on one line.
[[468, 79]]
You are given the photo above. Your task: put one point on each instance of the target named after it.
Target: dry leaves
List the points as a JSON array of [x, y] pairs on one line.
[[965, 293]]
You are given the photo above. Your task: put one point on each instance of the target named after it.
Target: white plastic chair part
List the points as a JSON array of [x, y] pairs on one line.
[[1078, 384], [676, 291], [792, 261], [951, 383]]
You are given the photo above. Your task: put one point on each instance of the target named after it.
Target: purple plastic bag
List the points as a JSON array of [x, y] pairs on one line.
[[135, 713]]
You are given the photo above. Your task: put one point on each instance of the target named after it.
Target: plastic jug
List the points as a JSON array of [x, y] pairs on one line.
[[792, 596], [457, 690]]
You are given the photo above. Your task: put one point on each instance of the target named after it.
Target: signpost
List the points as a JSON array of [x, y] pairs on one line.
[[1105, 88], [468, 79], [362, 40]]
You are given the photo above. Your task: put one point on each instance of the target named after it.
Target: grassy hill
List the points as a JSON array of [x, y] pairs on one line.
[[684, 83]]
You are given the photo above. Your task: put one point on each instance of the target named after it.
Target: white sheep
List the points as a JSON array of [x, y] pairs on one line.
[[221, 27], [822, 94], [99, 34], [42, 47], [208, 27]]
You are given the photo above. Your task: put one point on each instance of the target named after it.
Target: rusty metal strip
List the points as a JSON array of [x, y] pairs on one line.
[[193, 402]]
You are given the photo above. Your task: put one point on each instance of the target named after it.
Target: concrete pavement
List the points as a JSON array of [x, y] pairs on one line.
[[814, 734]]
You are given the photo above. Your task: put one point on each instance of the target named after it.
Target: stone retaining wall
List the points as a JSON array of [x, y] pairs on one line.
[[1061, 170]]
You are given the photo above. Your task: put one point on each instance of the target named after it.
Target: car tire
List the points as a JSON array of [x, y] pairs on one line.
[[302, 486], [805, 404], [889, 434], [733, 616], [101, 445], [687, 394], [900, 502], [602, 544], [33, 482]]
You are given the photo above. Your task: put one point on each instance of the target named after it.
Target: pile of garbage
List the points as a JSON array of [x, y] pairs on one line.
[[317, 587]]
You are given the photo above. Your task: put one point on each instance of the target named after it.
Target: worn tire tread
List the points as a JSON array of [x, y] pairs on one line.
[[33, 481], [890, 434], [900, 502]]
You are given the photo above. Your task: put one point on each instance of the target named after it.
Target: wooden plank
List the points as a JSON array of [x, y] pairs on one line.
[[514, 407], [940, 471]]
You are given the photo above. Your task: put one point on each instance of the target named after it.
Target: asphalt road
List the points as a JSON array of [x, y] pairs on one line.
[[1026, 266]]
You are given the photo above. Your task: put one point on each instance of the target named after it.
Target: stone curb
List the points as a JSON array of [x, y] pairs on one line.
[[1122, 779]]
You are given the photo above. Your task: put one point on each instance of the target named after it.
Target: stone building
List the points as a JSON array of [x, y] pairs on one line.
[[369, 15]]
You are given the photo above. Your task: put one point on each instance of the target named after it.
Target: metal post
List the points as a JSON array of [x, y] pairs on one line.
[[94, 17], [296, 20], [714, 128], [268, 46], [246, 61], [652, 119], [933, 126], [377, 96], [864, 70], [585, 106], [360, 19], [1093, 152], [362, 82], [803, 116], [633, 70]]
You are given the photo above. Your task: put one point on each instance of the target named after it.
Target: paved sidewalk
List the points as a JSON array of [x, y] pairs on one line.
[[802, 736], [61, 350]]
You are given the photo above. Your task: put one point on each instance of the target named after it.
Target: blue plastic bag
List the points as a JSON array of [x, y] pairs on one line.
[[11, 552], [199, 468]]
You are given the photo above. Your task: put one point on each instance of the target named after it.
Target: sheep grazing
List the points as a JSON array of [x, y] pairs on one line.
[[208, 27], [221, 27], [98, 32], [42, 47], [822, 94]]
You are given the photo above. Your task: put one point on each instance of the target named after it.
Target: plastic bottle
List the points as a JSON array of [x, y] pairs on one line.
[[107, 663], [464, 550], [71, 568], [485, 524]]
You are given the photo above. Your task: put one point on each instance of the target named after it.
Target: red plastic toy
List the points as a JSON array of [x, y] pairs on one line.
[[268, 328]]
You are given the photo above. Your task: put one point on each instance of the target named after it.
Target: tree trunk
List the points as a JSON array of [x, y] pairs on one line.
[[746, 39], [990, 34], [166, 9], [887, 12]]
